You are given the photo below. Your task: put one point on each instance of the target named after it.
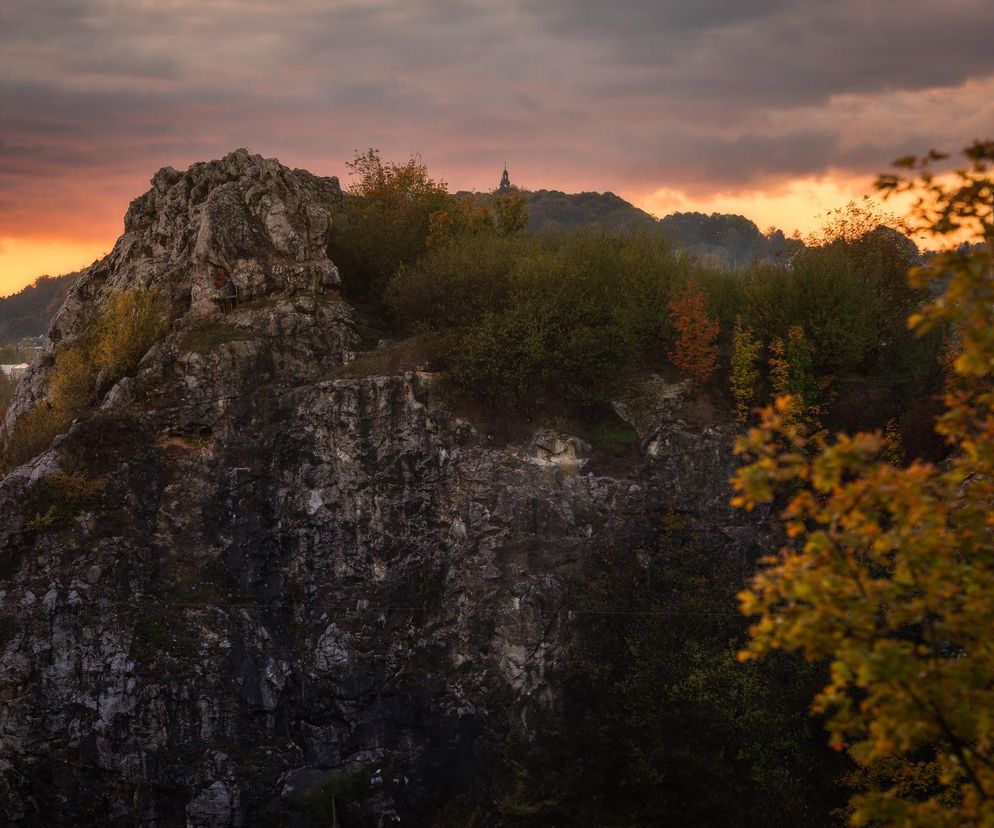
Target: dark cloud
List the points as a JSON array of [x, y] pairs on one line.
[[795, 50], [713, 94]]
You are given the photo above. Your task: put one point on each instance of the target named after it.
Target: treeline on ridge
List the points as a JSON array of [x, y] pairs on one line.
[[522, 321]]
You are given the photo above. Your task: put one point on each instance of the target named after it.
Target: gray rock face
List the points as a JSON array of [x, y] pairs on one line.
[[243, 217], [288, 577]]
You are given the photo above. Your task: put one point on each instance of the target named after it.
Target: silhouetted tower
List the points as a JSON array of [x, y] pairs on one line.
[[505, 182]]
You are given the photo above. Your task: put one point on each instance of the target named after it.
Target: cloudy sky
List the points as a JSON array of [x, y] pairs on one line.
[[778, 109]]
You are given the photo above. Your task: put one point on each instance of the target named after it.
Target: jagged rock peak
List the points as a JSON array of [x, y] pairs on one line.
[[242, 217]]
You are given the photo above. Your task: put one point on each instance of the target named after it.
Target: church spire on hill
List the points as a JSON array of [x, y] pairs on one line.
[[505, 182]]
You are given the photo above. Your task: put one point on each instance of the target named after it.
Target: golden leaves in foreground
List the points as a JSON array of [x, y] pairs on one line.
[[888, 571]]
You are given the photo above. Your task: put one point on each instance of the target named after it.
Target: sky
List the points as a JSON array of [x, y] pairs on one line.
[[776, 109]]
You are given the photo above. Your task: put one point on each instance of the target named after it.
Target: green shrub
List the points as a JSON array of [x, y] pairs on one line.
[[558, 337], [823, 294], [111, 346], [641, 271], [204, 340], [515, 319], [454, 285], [612, 434], [60, 497]]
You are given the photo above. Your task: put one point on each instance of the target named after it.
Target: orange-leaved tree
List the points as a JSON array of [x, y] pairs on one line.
[[695, 351], [888, 573]]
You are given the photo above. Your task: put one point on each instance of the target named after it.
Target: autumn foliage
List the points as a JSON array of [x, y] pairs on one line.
[[743, 377], [111, 346], [792, 374], [695, 351], [888, 573]]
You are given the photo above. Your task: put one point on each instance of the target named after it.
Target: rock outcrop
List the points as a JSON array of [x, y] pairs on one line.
[[288, 577], [243, 218]]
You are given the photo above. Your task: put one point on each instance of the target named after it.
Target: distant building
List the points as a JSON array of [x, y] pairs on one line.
[[14, 372], [505, 183]]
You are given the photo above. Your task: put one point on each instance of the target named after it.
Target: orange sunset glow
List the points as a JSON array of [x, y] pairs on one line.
[[793, 206], [425, 413], [762, 110]]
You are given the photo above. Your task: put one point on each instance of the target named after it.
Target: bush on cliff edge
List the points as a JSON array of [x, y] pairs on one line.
[[109, 348]]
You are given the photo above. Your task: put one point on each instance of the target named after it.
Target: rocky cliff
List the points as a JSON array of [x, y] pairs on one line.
[[279, 576]]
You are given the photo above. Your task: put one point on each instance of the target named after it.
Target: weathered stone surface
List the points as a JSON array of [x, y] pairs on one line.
[[242, 217], [289, 575]]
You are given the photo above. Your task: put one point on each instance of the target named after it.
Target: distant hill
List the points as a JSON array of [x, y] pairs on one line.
[[552, 209], [718, 239], [548, 209], [28, 312], [726, 240]]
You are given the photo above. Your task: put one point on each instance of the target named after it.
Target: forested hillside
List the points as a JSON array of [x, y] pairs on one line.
[[724, 240], [718, 240], [550, 209], [28, 312]]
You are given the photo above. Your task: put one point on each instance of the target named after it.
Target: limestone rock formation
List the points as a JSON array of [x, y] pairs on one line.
[[242, 217], [288, 577]]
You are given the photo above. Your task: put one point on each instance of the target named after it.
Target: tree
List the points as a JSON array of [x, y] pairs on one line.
[[853, 222], [695, 351], [871, 248], [792, 373], [888, 573], [390, 213], [510, 213], [744, 375]]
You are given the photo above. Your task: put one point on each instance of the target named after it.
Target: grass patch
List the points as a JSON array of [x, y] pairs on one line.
[[268, 301], [407, 355], [60, 497], [613, 435], [204, 340]]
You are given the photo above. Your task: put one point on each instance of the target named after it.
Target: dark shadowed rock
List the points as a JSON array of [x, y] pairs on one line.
[[289, 578]]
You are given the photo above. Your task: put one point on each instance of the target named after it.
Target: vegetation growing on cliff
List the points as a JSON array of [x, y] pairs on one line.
[[891, 585], [889, 575], [118, 336], [523, 321], [661, 724]]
